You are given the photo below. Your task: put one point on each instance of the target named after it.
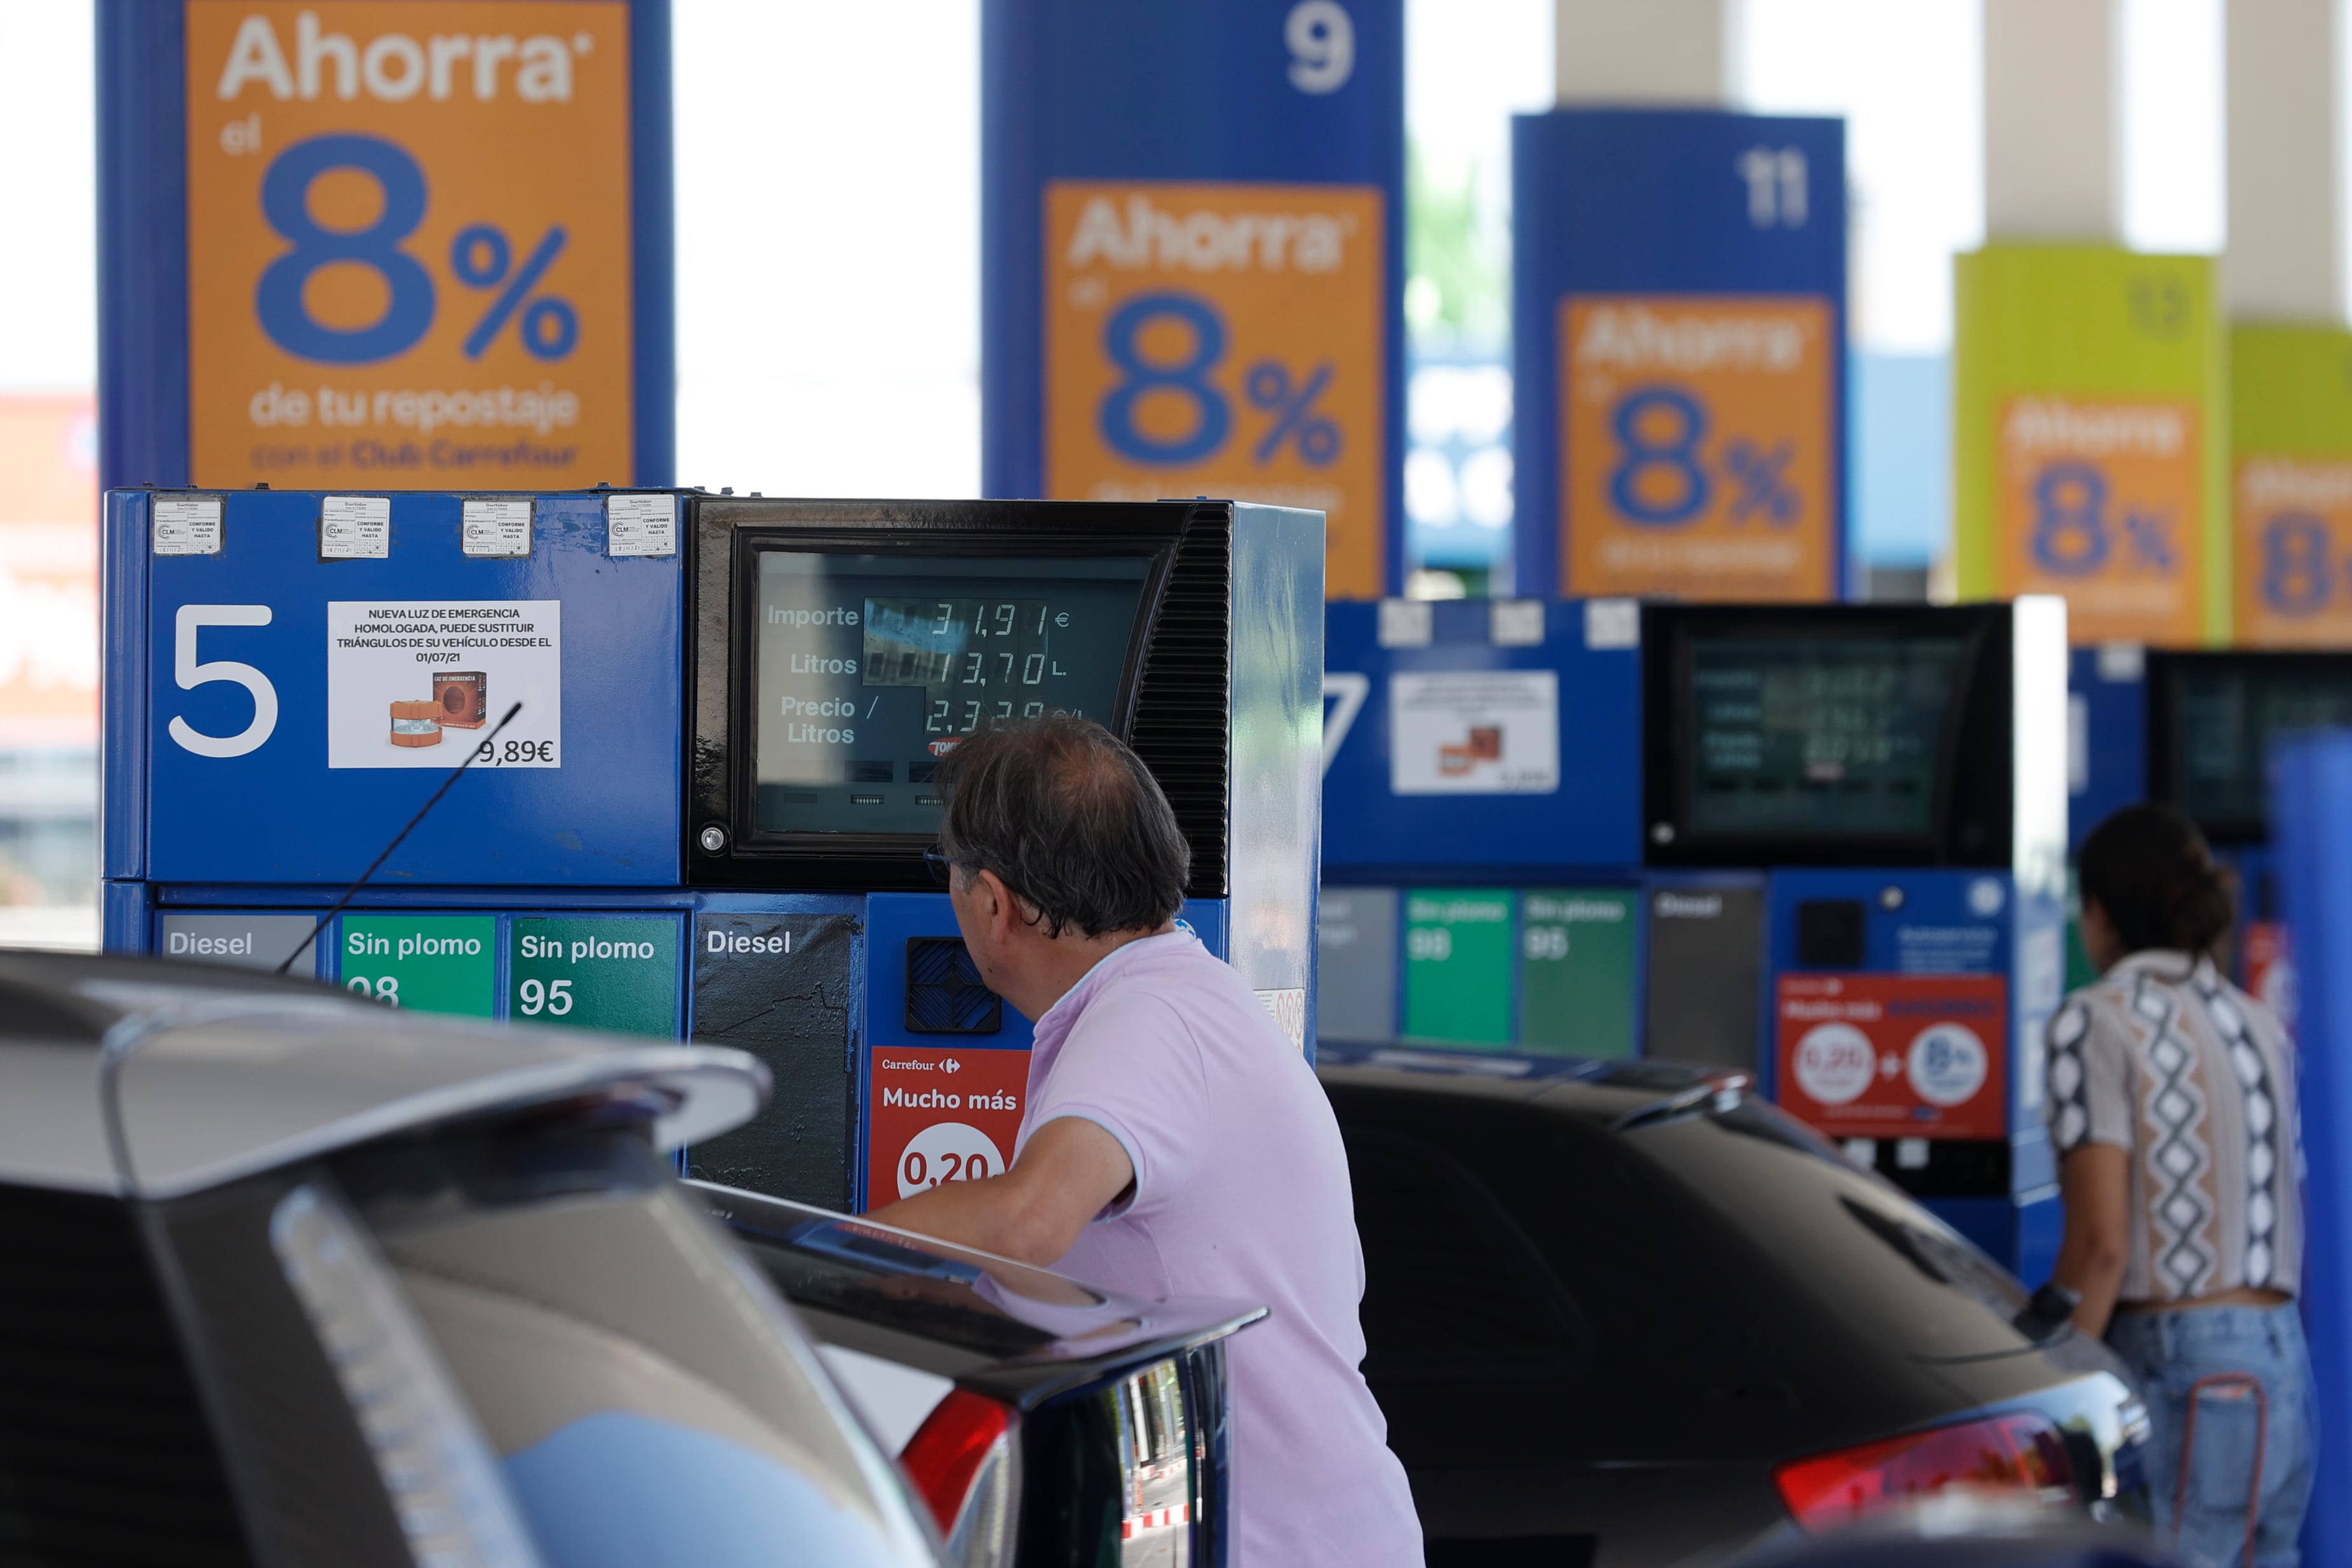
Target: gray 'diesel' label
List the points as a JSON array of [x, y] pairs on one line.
[[778, 987], [238, 941], [1356, 964], [1707, 966]]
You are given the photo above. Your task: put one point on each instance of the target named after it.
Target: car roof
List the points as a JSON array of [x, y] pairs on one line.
[[1609, 1092], [219, 1073]]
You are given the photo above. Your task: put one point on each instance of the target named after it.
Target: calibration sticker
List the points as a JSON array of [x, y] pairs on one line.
[[1701, 439], [1221, 339], [408, 257], [421, 683]]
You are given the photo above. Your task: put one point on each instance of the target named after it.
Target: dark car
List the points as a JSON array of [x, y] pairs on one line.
[[1045, 1421], [1620, 1313], [288, 1278]]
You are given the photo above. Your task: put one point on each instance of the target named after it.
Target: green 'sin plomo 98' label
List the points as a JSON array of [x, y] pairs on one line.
[[430, 963]]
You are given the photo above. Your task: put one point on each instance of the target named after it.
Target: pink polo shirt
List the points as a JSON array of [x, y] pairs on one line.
[[1240, 1190]]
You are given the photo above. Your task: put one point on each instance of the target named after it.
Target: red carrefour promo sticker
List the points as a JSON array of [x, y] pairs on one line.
[[940, 1114], [1896, 1056]]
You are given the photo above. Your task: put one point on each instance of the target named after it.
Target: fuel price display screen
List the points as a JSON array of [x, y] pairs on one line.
[[871, 668], [1819, 737], [2228, 718]]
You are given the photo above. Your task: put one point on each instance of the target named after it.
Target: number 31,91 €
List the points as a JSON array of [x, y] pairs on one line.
[[481, 257]]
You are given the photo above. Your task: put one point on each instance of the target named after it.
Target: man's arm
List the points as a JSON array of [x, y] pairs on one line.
[[2095, 1180], [1035, 1212]]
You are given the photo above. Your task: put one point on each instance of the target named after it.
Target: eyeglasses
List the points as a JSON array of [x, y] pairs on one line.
[[936, 861]]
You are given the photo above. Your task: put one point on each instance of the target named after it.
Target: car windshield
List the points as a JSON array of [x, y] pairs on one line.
[[646, 1395], [1711, 1285]]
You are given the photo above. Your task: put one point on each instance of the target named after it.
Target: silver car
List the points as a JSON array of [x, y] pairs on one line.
[[289, 1278]]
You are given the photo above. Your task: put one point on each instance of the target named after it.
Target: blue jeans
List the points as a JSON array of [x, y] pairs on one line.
[[2171, 1352]]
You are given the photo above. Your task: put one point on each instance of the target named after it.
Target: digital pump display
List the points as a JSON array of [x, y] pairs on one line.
[[869, 669], [2226, 717], [1818, 736]]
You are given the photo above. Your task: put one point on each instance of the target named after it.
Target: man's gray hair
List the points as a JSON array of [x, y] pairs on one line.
[[1070, 820]]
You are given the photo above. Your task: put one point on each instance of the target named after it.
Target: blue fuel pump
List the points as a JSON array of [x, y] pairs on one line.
[[1820, 846], [2195, 728], [704, 812]]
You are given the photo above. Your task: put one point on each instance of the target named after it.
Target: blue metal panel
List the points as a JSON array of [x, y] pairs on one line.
[[607, 814], [891, 918], [1646, 200], [125, 916], [1131, 90], [1923, 922], [653, 253], [122, 735], [2315, 837], [1934, 927], [1592, 824], [143, 244], [2107, 724]]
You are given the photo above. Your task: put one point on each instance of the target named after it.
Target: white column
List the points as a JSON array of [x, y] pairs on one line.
[[2285, 260], [2052, 168], [1643, 51]]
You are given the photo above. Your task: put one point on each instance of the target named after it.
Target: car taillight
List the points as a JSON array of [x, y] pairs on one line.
[[2001, 1453], [965, 1461]]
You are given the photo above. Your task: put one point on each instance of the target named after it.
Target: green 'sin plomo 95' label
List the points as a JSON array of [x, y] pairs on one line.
[[605, 972], [430, 963], [1576, 970]]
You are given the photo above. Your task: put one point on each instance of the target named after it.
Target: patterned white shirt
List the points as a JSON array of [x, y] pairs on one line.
[[2196, 1081]]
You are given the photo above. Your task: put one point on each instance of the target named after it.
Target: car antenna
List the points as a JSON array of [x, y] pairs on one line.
[[349, 892]]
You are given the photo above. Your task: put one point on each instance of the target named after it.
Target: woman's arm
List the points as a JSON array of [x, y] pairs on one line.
[[2095, 1180]]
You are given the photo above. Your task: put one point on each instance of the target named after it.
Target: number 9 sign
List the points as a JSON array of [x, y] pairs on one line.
[[1322, 40]]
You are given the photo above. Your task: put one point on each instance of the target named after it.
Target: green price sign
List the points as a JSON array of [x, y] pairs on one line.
[[1576, 974], [1458, 964], [596, 973], [433, 963]]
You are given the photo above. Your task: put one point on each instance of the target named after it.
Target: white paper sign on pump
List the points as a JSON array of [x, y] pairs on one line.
[[1475, 732]]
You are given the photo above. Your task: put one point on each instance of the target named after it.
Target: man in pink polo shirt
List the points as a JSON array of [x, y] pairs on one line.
[[1174, 1143]]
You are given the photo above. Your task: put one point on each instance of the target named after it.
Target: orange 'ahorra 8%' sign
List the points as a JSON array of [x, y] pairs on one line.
[[1701, 440], [1221, 339], [1896, 1056], [409, 243], [2101, 500]]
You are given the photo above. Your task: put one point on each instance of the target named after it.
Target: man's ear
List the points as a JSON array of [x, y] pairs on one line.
[[999, 909]]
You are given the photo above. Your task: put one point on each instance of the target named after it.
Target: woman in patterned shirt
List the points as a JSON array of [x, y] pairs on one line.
[[2173, 1112]]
